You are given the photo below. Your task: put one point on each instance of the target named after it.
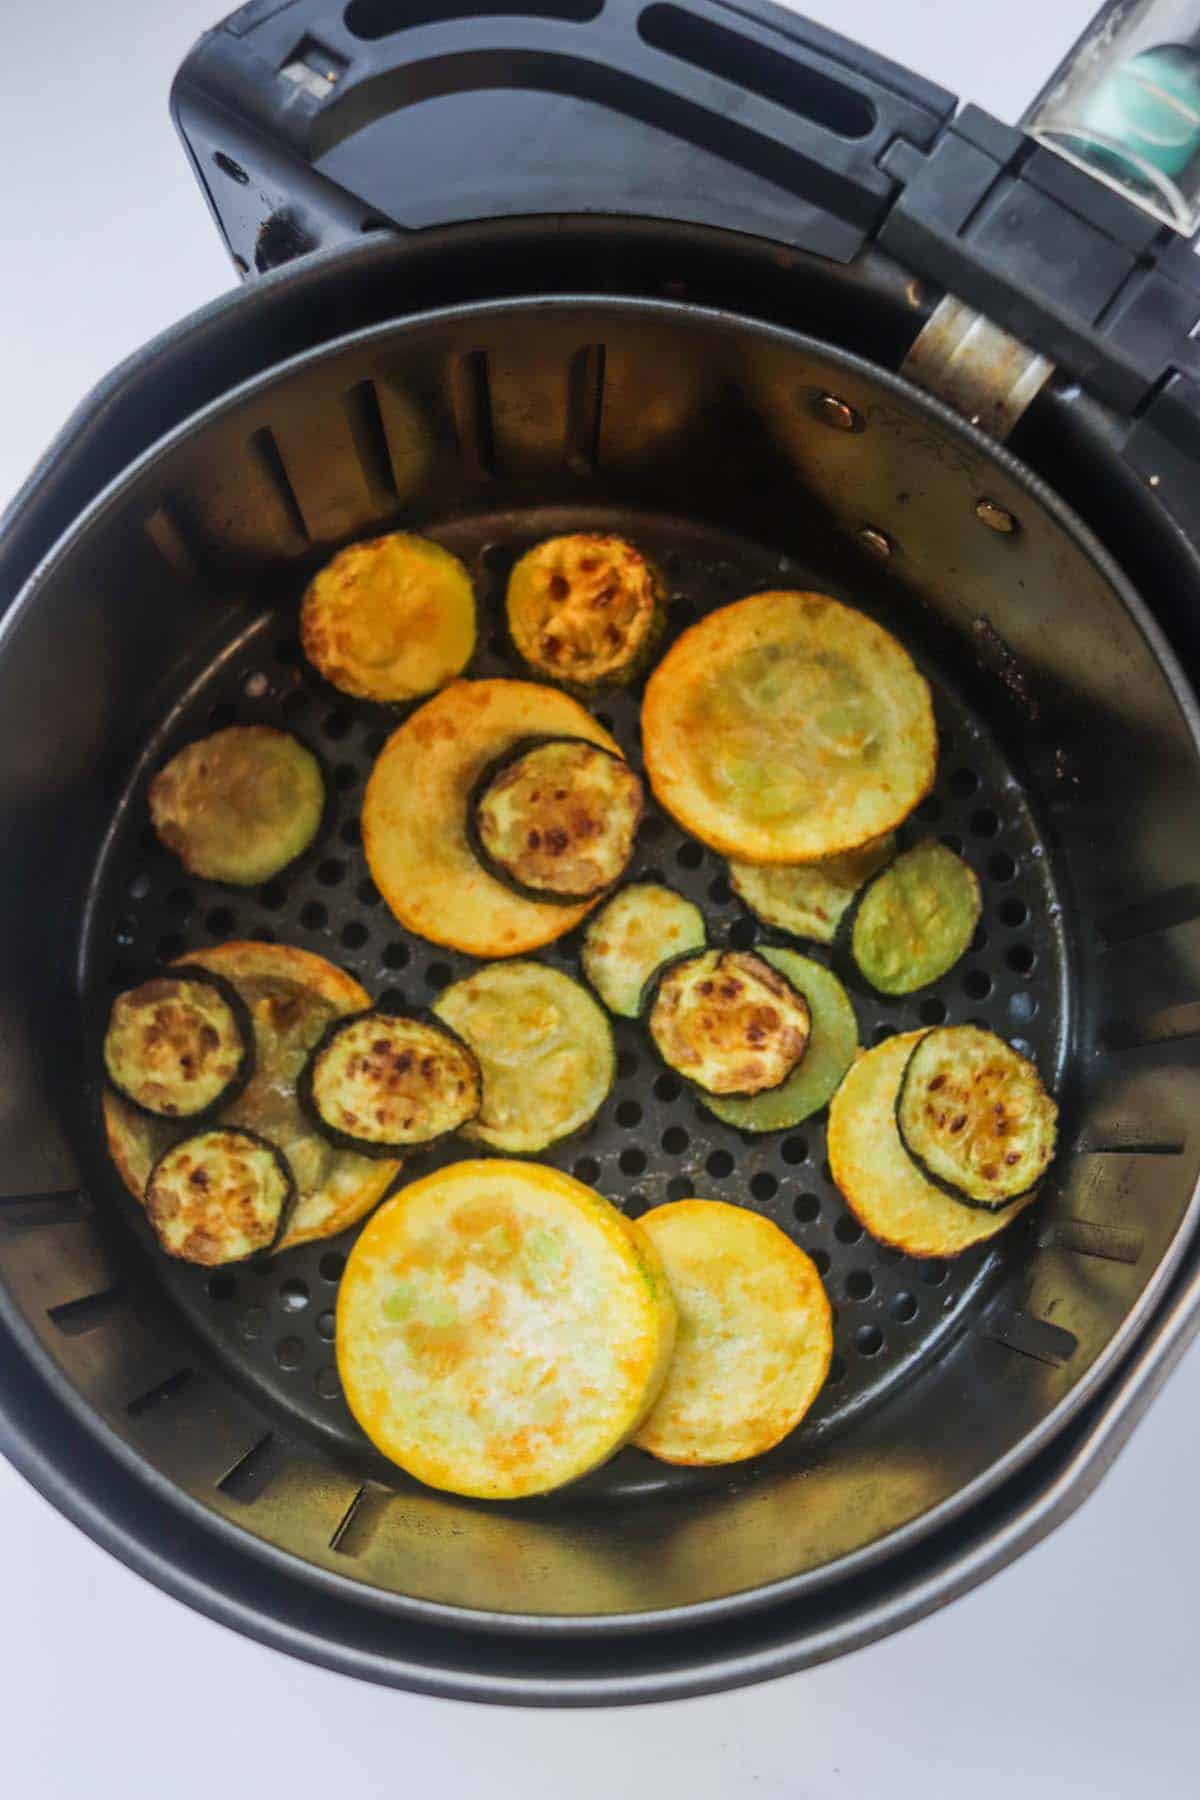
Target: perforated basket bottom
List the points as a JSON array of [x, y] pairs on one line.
[[651, 1141]]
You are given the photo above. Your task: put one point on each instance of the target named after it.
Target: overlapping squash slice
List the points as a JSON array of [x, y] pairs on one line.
[[501, 1329], [974, 1116], [219, 1196], [832, 1044], [390, 619], [292, 997], [755, 1335], [180, 1045], [632, 936], [414, 817], [555, 819], [788, 728], [880, 1182]]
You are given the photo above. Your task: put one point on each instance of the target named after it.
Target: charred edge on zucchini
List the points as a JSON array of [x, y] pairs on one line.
[[629, 939], [728, 1022], [217, 1038], [220, 1196], [912, 921], [585, 610], [566, 839], [378, 1083], [975, 1118], [241, 805]]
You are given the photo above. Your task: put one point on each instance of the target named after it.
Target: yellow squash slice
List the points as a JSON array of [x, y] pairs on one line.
[[788, 728], [292, 998], [414, 817], [390, 619], [755, 1334], [879, 1181], [501, 1329]]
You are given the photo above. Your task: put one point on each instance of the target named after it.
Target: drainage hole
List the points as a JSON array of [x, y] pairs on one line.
[[807, 1208], [859, 1285], [719, 1165], [293, 1295], [847, 1230], [675, 1140], [629, 1114], [794, 1150], [764, 1186], [868, 1340], [903, 1306]]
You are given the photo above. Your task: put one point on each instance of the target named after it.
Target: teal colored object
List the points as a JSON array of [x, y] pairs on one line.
[[1150, 108]]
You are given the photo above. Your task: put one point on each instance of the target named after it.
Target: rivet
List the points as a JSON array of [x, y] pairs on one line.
[[1154, 480], [995, 517], [877, 542], [837, 413]]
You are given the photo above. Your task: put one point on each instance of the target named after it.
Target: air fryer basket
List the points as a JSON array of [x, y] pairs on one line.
[[742, 456]]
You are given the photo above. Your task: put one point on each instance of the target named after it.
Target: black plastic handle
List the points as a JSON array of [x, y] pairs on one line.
[[429, 112]]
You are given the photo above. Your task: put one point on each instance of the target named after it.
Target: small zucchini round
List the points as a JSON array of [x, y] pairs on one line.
[[913, 921], [545, 1049], [632, 936], [807, 900], [378, 1082], [389, 619], [755, 1334], [728, 1022], [818, 1075], [585, 610], [240, 805], [181, 1045], [220, 1196], [974, 1116], [555, 819]]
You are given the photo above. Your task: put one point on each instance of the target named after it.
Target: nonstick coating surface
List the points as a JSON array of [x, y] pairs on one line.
[[651, 1142]]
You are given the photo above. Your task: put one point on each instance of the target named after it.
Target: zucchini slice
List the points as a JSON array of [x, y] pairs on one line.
[[914, 921], [292, 997], [878, 1179], [555, 819], [240, 805], [807, 900], [181, 1045], [974, 1116], [729, 1022], [755, 1336], [816, 1078], [632, 936], [378, 1082], [788, 728], [545, 1049], [586, 610], [219, 1196], [501, 1329], [390, 619], [414, 818]]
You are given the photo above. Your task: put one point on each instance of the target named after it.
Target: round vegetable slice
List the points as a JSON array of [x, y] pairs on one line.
[[831, 1050], [292, 997], [807, 900], [729, 1022], [974, 1116], [414, 818], [788, 728], [240, 805], [585, 609], [180, 1045], [390, 619], [555, 819], [545, 1049], [878, 1179], [755, 1336], [913, 922], [219, 1196], [378, 1082], [632, 936], [501, 1329]]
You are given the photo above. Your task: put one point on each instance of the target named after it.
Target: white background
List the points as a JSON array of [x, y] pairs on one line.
[[1074, 1673]]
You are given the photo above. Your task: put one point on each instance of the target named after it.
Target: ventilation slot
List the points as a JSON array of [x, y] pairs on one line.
[[473, 415], [170, 538], [1032, 1337], [748, 64], [1111, 1242], [159, 1394], [29, 1212], [75, 1317], [265, 451], [585, 398], [1165, 1027], [1176, 907], [360, 1521], [254, 1472], [372, 19], [370, 440], [1131, 1142]]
